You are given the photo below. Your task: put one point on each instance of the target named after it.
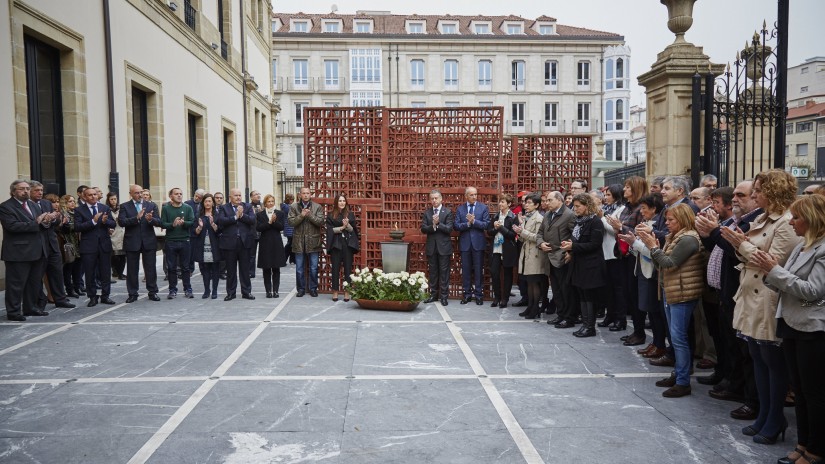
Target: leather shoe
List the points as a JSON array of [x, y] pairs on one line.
[[521, 302], [248, 297], [656, 352], [555, 321], [705, 364], [444, 302], [646, 349], [313, 293], [16, 317], [229, 297], [64, 304], [36, 312], [466, 300], [154, 297], [276, 295], [107, 300], [667, 381], [725, 395], [92, 302], [744, 412], [662, 361], [269, 295], [712, 379], [431, 299], [300, 293], [677, 391], [634, 340], [479, 301], [131, 299], [494, 304], [565, 324]]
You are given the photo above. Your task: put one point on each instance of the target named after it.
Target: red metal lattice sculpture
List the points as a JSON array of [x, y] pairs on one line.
[[387, 160]]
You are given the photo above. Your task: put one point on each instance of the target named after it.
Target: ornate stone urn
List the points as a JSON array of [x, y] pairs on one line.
[[680, 17]]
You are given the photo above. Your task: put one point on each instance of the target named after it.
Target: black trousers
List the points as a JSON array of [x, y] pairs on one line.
[[118, 264], [253, 253], [54, 271], [73, 275], [740, 377], [564, 296], [439, 278], [288, 250], [23, 284], [502, 277], [339, 258], [237, 265], [211, 276], [472, 272], [805, 359], [97, 263], [614, 297], [149, 258], [712, 319], [272, 279]]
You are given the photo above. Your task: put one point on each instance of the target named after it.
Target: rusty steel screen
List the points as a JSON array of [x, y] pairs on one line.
[[387, 160]]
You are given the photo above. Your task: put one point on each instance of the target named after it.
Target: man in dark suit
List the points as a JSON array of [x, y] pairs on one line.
[[23, 252], [54, 258], [95, 224], [139, 219], [195, 204], [237, 223], [472, 219], [437, 223], [557, 227]]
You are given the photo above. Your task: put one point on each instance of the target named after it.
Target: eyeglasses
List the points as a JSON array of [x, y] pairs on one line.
[[807, 193]]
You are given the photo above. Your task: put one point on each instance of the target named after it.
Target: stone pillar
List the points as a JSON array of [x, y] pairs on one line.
[[668, 90]]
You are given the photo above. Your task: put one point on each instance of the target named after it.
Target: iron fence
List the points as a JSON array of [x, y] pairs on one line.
[[618, 176]]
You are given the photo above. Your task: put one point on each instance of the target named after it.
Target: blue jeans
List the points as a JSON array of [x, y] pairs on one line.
[[178, 252], [678, 319], [313, 271]]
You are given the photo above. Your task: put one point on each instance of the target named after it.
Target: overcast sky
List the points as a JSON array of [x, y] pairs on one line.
[[720, 26]]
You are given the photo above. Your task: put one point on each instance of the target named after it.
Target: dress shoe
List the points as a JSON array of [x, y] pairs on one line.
[[790, 459], [586, 332], [662, 361], [275, 295], [521, 302], [107, 300], [300, 293], [36, 312], [605, 322], [555, 321], [188, 294], [269, 295], [705, 364], [634, 340], [479, 301], [712, 379], [64, 304], [744, 412], [466, 299], [313, 293], [444, 302], [494, 304], [92, 302], [431, 299], [248, 296], [677, 391], [16, 317], [229, 297], [206, 294], [618, 326], [215, 295], [655, 353], [503, 304], [523, 313], [646, 349], [565, 324], [131, 299], [667, 381], [71, 293], [624, 337], [725, 395], [771, 440], [154, 297]]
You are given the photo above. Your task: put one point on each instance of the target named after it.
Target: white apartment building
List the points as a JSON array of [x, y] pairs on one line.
[[549, 78], [806, 82], [115, 92]]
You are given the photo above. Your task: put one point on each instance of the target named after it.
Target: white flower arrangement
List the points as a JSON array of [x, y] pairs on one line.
[[375, 284]]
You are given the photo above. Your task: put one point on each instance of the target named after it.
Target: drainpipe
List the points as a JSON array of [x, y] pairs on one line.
[[114, 176], [397, 79], [243, 91]]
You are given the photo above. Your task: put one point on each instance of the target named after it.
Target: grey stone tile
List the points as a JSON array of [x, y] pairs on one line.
[[324, 309], [474, 312], [532, 358], [98, 448], [390, 358], [404, 333], [12, 334], [455, 447], [514, 333]]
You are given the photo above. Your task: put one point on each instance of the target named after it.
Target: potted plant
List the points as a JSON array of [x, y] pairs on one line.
[[397, 291]]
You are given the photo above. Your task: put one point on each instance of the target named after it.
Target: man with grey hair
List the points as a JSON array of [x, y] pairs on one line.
[[709, 181], [54, 258], [22, 252], [557, 227], [471, 221], [656, 184], [437, 224], [700, 196]]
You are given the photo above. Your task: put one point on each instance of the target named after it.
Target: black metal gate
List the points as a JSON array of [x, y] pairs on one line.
[[744, 110]]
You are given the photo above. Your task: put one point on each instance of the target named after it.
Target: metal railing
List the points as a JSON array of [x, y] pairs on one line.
[[189, 14], [618, 176]]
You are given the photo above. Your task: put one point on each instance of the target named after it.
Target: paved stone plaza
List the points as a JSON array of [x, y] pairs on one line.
[[305, 379]]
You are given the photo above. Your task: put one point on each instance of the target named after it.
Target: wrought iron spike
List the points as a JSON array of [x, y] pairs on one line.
[[737, 55]]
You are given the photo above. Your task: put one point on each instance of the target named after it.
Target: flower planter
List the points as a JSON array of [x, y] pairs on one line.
[[387, 305]]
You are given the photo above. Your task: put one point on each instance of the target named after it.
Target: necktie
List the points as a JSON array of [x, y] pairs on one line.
[[472, 209], [138, 206], [94, 210], [26, 209]]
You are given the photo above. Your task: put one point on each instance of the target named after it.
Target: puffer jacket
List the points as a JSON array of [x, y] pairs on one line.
[[681, 278]]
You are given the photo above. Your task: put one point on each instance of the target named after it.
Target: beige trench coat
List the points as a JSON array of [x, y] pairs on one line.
[[755, 312], [531, 259]]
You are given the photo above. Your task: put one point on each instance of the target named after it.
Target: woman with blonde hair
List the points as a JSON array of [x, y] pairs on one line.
[[754, 316], [72, 266], [800, 322], [681, 278]]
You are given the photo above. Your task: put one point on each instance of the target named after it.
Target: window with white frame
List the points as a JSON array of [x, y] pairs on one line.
[[299, 114], [804, 126], [517, 114], [449, 28], [608, 74], [415, 27], [275, 73], [417, 74], [301, 75], [583, 115], [546, 29], [517, 75], [551, 73], [515, 29], [332, 104], [365, 64], [551, 114], [481, 28], [619, 150], [485, 74], [801, 149], [452, 104], [451, 74], [789, 128], [331, 77], [583, 73], [614, 115], [366, 98], [608, 150], [300, 26], [332, 26], [620, 73], [363, 27], [418, 104], [485, 104], [299, 156], [620, 110]]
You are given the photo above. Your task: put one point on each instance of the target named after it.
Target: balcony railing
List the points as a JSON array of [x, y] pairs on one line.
[[189, 14], [224, 50], [310, 84], [546, 126]]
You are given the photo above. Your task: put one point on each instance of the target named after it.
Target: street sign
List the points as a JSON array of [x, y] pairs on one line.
[[799, 172]]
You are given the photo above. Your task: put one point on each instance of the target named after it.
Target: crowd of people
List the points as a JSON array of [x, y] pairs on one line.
[[731, 276]]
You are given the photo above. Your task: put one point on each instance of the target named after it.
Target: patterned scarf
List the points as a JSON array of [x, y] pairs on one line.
[[577, 230]]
